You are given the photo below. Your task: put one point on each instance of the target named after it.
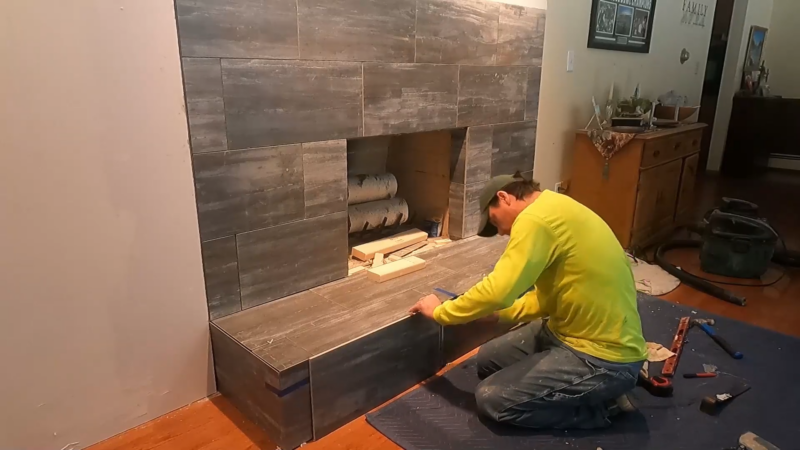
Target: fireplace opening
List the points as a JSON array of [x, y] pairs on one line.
[[397, 183]]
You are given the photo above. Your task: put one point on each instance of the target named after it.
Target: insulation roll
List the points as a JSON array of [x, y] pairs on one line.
[[368, 188], [373, 214]]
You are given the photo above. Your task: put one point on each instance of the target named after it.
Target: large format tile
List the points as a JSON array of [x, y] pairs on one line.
[[238, 28], [489, 95], [357, 30], [513, 148], [457, 210], [520, 37], [240, 375], [472, 208], [244, 190], [222, 277], [352, 291], [350, 380], [202, 78], [289, 258], [532, 93], [456, 31], [325, 177], [407, 98], [281, 102]]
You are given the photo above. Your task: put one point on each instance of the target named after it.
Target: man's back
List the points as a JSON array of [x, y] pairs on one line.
[[587, 287]]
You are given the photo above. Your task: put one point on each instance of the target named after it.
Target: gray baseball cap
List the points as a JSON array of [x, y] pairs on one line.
[[494, 185]]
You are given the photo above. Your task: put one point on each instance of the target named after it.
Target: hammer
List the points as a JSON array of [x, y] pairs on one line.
[[705, 325]]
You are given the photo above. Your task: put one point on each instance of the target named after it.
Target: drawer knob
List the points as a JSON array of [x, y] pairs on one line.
[[656, 153], [677, 145]]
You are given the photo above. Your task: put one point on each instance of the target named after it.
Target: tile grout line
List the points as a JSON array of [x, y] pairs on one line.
[[297, 15], [363, 104], [416, 13]]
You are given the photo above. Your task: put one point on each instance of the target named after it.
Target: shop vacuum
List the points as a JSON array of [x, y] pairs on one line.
[[734, 242]]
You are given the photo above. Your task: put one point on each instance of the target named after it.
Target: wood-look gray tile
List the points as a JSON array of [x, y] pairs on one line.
[[241, 379], [202, 78], [489, 95], [221, 272], [477, 258], [532, 93], [325, 177], [289, 258], [357, 30], [472, 208], [245, 190], [513, 147], [356, 320], [238, 28], [457, 210], [407, 98], [352, 379], [259, 325], [458, 155], [367, 155], [520, 38], [281, 102], [479, 154], [288, 359], [457, 31], [458, 340], [354, 291]]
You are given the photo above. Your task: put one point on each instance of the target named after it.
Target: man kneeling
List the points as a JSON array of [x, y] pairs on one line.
[[571, 366]]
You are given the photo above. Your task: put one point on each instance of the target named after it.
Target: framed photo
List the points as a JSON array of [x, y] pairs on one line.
[[623, 25], [755, 48]]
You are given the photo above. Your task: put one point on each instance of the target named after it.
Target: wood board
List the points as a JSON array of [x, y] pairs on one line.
[[367, 251], [396, 269]]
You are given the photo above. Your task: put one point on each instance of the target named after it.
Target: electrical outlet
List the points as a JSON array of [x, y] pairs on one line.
[[570, 61], [559, 186], [562, 186]]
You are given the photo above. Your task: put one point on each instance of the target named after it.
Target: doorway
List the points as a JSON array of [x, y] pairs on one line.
[[713, 77]]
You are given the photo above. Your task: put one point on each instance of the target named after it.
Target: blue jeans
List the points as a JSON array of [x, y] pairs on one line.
[[530, 379]]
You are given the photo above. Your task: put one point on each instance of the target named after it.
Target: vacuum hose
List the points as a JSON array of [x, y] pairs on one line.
[[693, 281]]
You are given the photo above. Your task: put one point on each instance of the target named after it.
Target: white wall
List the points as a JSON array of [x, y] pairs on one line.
[[565, 102], [781, 53], [103, 323], [746, 13]]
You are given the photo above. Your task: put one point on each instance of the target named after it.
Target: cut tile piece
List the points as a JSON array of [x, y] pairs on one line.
[[289, 258], [513, 147], [222, 277], [489, 95], [202, 78], [325, 177], [472, 208], [407, 98], [457, 210], [532, 93], [479, 154], [245, 190], [458, 155], [281, 102], [350, 380], [238, 28], [457, 31], [357, 30], [520, 38], [241, 376]]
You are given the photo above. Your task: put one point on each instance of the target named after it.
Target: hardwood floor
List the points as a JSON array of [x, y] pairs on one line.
[[213, 424]]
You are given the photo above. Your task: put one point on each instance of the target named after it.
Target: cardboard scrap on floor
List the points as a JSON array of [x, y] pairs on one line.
[[657, 352], [396, 269]]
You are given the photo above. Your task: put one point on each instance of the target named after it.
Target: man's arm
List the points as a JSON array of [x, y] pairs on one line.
[[530, 250], [524, 309]]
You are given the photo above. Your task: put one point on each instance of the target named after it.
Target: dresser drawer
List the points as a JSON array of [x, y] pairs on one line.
[[660, 151], [656, 200]]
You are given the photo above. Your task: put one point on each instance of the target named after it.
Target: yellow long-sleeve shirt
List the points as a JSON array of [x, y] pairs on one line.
[[582, 277]]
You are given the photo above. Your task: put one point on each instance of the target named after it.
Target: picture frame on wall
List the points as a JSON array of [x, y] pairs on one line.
[[755, 48], [622, 25]]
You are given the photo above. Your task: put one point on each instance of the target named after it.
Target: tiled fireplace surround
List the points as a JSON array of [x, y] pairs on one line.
[[274, 90]]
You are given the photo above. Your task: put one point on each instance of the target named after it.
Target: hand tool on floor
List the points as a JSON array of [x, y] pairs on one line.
[[677, 347], [655, 385], [700, 375], [751, 441], [705, 325], [713, 405]]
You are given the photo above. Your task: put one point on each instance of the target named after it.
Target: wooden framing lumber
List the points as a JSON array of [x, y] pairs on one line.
[[367, 251], [396, 269]]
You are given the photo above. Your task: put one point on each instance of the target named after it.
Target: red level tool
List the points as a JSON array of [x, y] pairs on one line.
[[677, 347]]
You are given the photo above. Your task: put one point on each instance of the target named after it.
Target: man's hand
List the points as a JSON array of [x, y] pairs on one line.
[[425, 306]]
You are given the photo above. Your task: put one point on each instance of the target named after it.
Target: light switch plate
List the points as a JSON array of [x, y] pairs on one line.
[[570, 61]]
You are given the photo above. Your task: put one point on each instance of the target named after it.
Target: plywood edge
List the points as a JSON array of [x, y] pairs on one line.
[[367, 251], [396, 269]]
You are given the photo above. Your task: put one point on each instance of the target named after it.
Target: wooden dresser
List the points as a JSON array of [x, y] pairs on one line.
[[648, 186]]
